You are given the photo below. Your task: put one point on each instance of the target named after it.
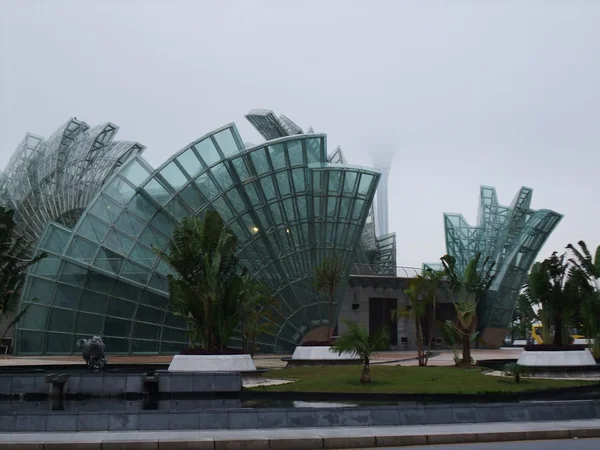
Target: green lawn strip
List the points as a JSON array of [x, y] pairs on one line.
[[405, 380]]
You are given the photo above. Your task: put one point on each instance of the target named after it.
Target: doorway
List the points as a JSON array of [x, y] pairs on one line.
[[380, 314]]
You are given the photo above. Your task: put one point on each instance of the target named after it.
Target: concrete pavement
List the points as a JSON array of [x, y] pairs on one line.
[[580, 444], [307, 438]]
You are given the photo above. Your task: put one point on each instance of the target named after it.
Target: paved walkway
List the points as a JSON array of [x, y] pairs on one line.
[[305, 438]]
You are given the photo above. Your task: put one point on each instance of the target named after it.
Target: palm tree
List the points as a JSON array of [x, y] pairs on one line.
[[470, 286], [537, 290], [421, 292], [258, 313], [328, 276], [207, 289], [587, 268], [14, 263], [356, 340]]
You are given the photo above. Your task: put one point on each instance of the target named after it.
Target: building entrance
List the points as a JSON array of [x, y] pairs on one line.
[[380, 314]]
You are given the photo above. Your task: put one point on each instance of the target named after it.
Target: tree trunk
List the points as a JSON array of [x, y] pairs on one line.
[[419, 343], [558, 331], [366, 373], [330, 318], [466, 359], [431, 328]]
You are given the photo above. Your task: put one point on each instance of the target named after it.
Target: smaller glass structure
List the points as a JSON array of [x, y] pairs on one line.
[[511, 236]]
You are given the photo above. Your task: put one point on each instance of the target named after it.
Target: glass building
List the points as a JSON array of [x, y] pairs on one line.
[[512, 237], [97, 208]]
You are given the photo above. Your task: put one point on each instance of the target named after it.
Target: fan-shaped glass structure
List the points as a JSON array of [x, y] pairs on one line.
[[289, 204], [511, 236]]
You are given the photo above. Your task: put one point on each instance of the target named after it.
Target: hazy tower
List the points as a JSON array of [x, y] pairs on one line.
[[382, 162]]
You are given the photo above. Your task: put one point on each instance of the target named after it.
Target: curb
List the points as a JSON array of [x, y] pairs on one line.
[[283, 439]]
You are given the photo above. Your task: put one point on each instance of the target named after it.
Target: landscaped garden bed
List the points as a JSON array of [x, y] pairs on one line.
[[406, 380]]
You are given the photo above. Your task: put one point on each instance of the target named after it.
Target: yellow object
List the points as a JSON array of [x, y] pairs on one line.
[[536, 334]]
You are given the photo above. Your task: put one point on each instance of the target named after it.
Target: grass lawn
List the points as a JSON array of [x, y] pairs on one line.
[[405, 380]]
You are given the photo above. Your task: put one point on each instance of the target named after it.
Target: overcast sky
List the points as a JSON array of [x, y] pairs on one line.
[[497, 93]]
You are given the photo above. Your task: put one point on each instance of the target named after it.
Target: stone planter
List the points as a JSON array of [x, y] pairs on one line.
[[320, 355], [212, 363], [549, 356]]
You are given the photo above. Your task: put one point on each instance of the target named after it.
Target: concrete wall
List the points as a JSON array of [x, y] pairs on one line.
[[361, 296]]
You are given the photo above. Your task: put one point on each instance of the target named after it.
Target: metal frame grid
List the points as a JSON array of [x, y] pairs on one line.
[[287, 205], [55, 179], [512, 236]]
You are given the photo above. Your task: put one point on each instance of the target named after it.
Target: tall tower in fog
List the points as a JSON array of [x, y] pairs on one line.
[[382, 162]]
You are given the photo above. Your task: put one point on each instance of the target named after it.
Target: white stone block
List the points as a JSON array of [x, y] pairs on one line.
[[320, 353], [556, 358], [212, 363]]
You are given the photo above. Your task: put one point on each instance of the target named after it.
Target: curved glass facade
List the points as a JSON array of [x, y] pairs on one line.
[[287, 201]]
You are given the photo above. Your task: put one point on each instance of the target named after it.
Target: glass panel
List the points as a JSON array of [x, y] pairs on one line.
[[192, 197], [207, 186], [288, 205], [334, 181], [144, 346], [55, 240], [276, 213], [277, 154], [226, 142], [145, 331], [358, 209], [73, 275], [151, 299], [135, 173], [221, 176], [30, 342], [98, 282], [283, 182], [349, 182], [82, 249], [295, 153], [125, 291], [190, 163], [241, 169], [302, 207], [47, 267], [143, 255], [60, 320], [34, 318], [173, 334], [345, 205], [268, 188], [140, 206], [117, 345], [173, 175], [147, 314], [252, 193], [66, 296], [157, 191], [58, 343], [120, 308], [260, 161], [299, 180], [129, 224], [207, 152], [119, 242], [313, 150], [93, 302], [109, 260], [365, 183], [106, 209], [116, 327], [135, 272], [160, 282], [235, 200], [176, 209], [120, 190], [221, 207], [151, 238], [163, 223], [331, 207], [89, 324]]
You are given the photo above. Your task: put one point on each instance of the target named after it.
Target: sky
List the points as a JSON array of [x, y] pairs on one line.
[[462, 94]]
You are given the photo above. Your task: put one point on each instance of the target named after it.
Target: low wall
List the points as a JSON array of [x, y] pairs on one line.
[[126, 383], [207, 419]]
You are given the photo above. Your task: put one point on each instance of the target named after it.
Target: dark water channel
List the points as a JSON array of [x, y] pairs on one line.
[[97, 404]]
